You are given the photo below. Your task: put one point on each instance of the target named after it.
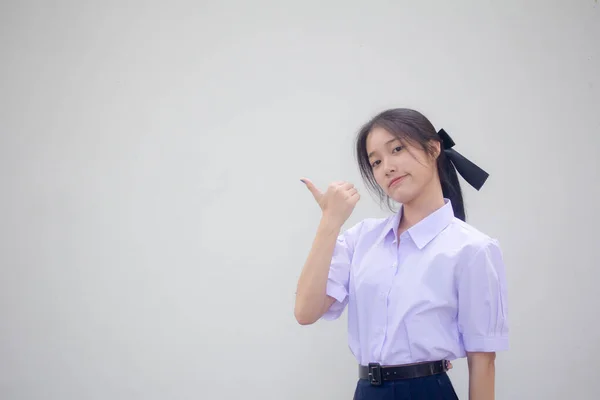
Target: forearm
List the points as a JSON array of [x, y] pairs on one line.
[[482, 374], [312, 284]]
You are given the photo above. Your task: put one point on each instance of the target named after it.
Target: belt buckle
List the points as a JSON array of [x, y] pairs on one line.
[[375, 374]]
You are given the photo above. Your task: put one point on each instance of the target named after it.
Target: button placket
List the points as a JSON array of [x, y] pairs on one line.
[[384, 295]]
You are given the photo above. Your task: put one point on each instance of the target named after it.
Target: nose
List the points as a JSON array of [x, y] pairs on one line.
[[388, 167]]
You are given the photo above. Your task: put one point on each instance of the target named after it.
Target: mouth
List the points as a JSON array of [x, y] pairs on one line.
[[396, 180]]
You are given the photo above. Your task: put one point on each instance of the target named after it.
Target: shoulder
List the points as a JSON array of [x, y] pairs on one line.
[[367, 229], [473, 244], [470, 236]]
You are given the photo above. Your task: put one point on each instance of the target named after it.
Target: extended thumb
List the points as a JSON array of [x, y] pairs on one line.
[[313, 189]]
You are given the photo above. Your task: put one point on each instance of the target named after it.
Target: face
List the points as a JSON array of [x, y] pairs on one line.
[[403, 170]]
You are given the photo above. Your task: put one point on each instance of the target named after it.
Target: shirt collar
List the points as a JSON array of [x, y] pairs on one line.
[[425, 230]]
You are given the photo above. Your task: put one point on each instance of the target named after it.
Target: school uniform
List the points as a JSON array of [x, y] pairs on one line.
[[431, 296]]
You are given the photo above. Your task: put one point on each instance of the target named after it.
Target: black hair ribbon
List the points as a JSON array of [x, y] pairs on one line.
[[473, 174]]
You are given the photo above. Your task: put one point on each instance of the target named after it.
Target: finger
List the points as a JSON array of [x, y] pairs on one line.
[[313, 189], [347, 185], [352, 192]]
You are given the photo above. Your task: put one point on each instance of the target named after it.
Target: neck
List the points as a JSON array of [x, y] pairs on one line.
[[420, 207]]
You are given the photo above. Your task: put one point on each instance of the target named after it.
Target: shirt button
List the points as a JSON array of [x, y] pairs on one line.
[[394, 265]]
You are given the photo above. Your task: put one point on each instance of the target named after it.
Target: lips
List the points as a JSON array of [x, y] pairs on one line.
[[396, 180]]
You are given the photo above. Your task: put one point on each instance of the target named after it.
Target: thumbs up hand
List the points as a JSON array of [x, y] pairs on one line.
[[338, 201]]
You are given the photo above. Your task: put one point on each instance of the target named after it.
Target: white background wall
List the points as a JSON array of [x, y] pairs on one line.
[[153, 224]]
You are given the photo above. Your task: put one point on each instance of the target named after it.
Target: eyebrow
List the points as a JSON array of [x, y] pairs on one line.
[[386, 143]]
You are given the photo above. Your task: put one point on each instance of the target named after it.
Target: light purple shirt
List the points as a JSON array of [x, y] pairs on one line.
[[439, 292]]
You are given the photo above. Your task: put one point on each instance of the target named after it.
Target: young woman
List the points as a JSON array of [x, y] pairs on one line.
[[422, 287]]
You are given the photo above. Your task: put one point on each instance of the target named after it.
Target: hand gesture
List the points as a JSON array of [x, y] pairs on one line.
[[338, 201]]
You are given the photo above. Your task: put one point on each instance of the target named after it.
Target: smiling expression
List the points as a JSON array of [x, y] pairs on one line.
[[402, 169]]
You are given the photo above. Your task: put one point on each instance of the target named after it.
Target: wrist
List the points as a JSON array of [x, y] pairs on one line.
[[330, 224]]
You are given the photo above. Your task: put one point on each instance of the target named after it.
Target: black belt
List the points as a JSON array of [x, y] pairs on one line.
[[377, 373]]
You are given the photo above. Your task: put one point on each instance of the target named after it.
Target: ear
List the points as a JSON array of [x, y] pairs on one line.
[[436, 146]]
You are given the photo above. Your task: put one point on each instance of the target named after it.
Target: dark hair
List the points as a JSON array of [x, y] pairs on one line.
[[409, 124]]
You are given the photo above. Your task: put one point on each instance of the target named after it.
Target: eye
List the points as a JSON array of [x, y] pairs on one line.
[[375, 163], [397, 148]]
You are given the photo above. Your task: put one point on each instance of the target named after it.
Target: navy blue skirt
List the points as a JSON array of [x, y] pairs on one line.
[[433, 387]]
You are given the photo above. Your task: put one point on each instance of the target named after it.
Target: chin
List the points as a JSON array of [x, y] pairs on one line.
[[401, 195]]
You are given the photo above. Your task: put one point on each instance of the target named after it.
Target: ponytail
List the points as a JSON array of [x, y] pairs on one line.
[[450, 164], [451, 185]]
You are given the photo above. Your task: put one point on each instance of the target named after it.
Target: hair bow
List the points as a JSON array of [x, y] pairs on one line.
[[473, 174]]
